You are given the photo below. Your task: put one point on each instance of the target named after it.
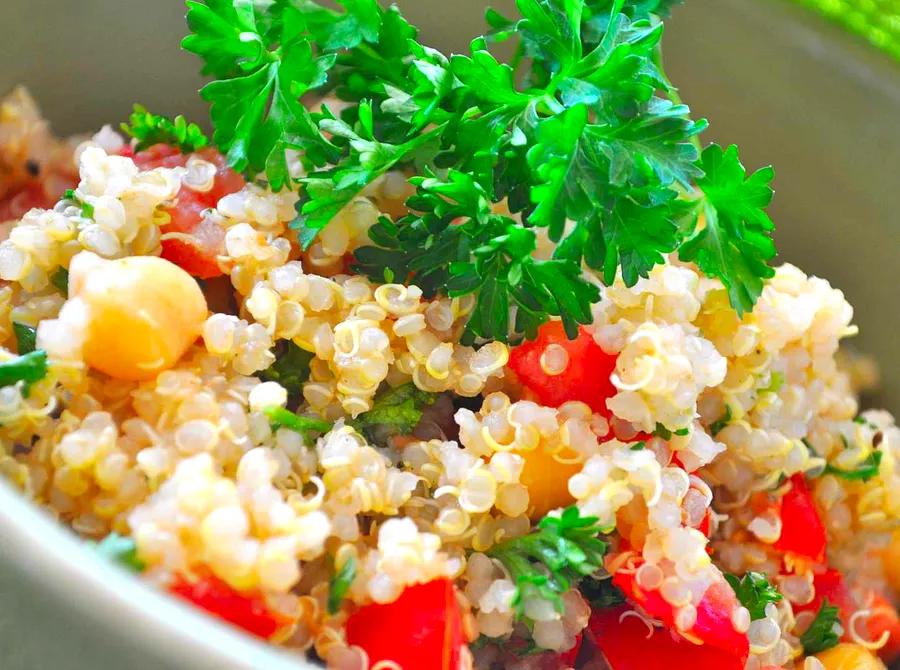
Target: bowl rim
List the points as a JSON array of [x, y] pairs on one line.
[[53, 559]]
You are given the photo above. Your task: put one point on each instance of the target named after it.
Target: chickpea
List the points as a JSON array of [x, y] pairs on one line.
[[143, 313], [849, 656]]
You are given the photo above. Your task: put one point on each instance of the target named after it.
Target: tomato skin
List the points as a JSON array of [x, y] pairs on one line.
[[245, 611], [202, 240], [586, 378], [628, 645], [713, 625], [421, 630], [884, 618], [802, 530]]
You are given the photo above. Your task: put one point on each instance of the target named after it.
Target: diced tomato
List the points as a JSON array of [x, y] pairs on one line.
[[713, 625], [628, 644], [201, 240], [884, 617], [567, 658], [705, 526], [247, 611], [586, 377], [802, 531], [17, 203], [421, 630]]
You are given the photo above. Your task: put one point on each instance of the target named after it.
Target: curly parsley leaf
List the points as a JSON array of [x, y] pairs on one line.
[[547, 562], [149, 129], [87, 209], [754, 591], [340, 584], [267, 62], [290, 369], [279, 417], [821, 634], [734, 243], [396, 411]]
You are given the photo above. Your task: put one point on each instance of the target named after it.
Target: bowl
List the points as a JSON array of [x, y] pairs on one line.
[[789, 88]]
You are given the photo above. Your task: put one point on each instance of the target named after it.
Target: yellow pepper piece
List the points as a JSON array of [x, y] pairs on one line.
[[547, 480], [143, 313], [848, 656]]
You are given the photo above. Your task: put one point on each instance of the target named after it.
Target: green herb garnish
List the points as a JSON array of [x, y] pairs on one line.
[[864, 471], [290, 369], [60, 281], [26, 337], [601, 593], [776, 381], [340, 584], [28, 368], [121, 550], [279, 417], [716, 427], [582, 126], [87, 209], [637, 446], [149, 129], [561, 551], [820, 635], [754, 591], [396, 411]]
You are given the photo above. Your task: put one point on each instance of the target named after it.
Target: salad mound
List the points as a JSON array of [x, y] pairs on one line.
[[431, 362]]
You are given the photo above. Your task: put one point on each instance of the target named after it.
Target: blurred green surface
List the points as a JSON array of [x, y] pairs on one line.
[[877, 21]]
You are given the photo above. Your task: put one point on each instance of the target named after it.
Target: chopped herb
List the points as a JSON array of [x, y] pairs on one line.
[[717, 425], [601, 593], [821, 635], [60, 280], [681, 432], [662, 431], [149, 129], [754, 591], [396, 411], [87, 209], [548, 561], [279, 417], [776, 381], [28, 368], [340, 584], [583, 127], [121, 550], [637, 446], [864, 471], [26, 337], [290, 369], [860, 420]]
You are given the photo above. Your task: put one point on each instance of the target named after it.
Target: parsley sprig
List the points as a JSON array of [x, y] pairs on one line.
[[580, 139], [754, 591], [547, 562], [149, 129], [821, 634]]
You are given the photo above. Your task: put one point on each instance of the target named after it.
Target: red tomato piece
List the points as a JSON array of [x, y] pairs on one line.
[[247, 611], [585, 377], [628, 644], [884, 618], [201, 240], [713, 625], [802, 530], [421, 630]]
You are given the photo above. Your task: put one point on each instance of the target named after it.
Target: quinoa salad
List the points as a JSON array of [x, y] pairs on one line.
[[433, 362]]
